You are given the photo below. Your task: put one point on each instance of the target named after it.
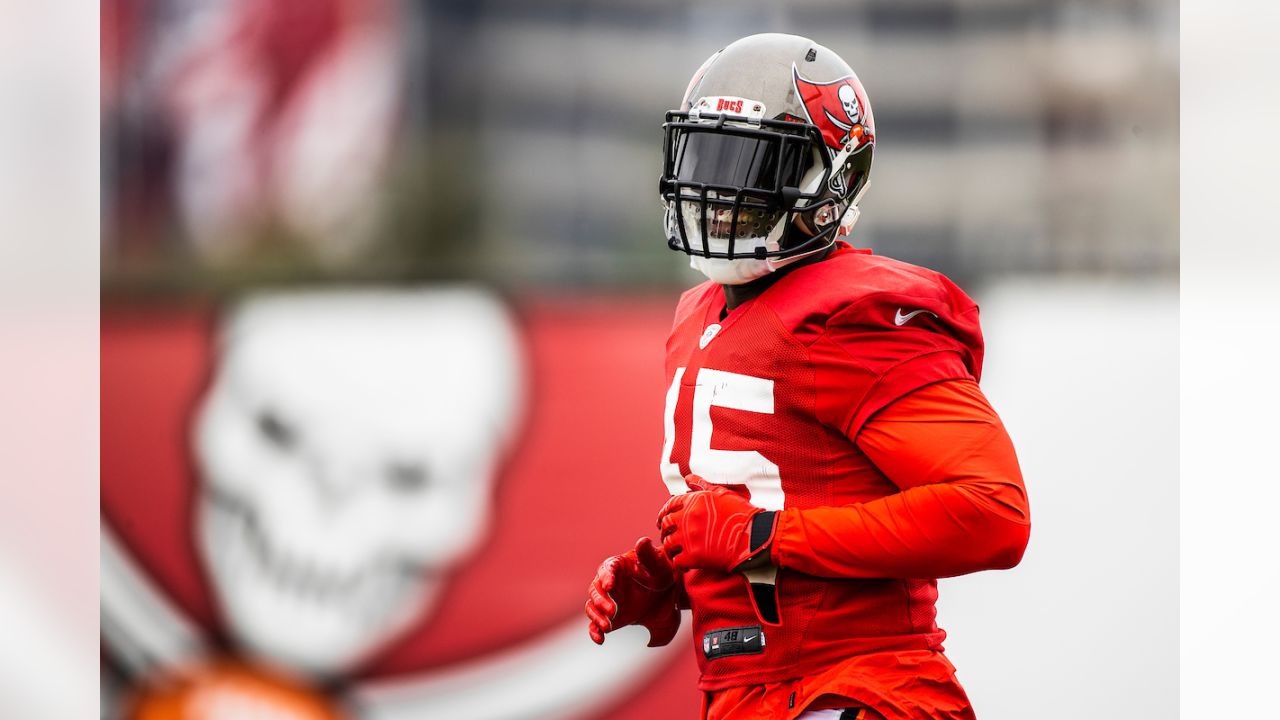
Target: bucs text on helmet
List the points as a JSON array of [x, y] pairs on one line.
[[767, 157]]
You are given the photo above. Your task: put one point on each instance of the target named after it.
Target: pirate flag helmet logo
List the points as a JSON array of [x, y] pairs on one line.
[[839, 108]]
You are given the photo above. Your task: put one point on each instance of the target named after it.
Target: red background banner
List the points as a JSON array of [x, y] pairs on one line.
[[581, 483]]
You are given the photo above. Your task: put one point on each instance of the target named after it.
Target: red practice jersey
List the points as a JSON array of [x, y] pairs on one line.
[[773, 396], [962, 507]]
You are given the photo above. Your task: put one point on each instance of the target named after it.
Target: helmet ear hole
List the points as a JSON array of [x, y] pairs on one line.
[[847, 174]]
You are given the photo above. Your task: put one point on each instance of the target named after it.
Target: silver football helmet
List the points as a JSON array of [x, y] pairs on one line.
[[769, 153]]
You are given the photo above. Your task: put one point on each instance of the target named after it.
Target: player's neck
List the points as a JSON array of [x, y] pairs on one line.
[[735, 295]]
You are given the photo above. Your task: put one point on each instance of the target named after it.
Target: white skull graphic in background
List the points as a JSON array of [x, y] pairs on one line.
[[849, 100], [347, 451]]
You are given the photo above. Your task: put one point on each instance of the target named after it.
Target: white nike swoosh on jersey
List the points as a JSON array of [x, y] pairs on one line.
[[748, 639], [900, 319]]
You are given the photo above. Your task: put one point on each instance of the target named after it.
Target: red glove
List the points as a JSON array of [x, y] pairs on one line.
[[712, 527], [634, 588]]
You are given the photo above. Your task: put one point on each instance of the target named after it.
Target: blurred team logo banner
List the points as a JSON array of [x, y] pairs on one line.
[[377, 504]]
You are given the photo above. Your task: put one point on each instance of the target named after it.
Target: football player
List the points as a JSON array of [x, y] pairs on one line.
[[828, 449]]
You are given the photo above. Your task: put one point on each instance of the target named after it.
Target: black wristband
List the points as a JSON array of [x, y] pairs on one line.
[[761, 530]]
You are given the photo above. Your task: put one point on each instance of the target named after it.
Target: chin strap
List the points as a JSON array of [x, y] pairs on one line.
[[851, 215], [848, 220], [776, 264]]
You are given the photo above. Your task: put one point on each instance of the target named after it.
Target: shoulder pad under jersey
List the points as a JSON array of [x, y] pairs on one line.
[[855, 292]]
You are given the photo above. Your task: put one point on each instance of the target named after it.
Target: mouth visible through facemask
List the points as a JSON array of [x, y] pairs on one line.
[[753, 226]]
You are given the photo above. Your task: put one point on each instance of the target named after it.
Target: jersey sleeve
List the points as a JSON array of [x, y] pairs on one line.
[[962, 505], [890, 344]]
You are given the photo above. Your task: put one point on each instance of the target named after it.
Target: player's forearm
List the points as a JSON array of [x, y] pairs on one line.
[[930, 531], [962, 506]]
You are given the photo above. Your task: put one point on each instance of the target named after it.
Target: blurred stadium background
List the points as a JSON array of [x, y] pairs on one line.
[[1027, 149]]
